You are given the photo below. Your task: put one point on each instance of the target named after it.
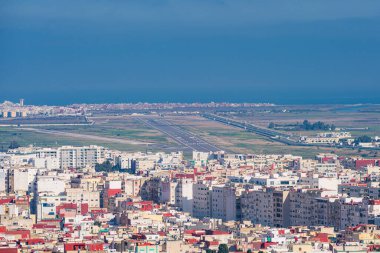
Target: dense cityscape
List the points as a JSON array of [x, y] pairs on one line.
[[190, 126]]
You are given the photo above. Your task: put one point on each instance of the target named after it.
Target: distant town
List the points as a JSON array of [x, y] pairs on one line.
[[12, 110]]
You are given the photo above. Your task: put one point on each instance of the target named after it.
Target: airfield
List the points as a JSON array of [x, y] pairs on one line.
[[189, 129]]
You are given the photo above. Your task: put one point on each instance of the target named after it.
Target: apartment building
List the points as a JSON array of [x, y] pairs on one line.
[[89, 183], [357, 190], [49, 184], [79, 196], [302, 206], [223, 202], [184, 194], [4, 180], [47, 152], [22, 179], [266, 206], [202, 197], [320, 182], [327, 211], [274, 180], [81, 157], [352, 212], [132, 185], [46, 206]]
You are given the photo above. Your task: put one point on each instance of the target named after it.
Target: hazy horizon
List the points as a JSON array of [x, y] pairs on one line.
[[42, 102]]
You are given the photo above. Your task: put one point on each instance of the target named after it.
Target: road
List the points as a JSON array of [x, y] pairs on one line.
[[180, 135]]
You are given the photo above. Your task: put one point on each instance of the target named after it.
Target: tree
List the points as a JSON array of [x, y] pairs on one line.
[[363, 138], [223, 248], [319, 125], [249, 251], [14, 145], [107, 167], [306, 125], [271, 125]]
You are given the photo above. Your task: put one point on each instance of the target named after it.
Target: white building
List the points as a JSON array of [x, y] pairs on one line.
[[340, 135], [274, 180], [50, 184], [319, 140], [49, 163], [4, 180], [184, 194], [326, 183], [80, 157]]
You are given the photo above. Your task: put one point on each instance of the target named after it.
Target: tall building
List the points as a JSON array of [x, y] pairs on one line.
[[202, 200], [4, 180], [80, 157], [184, 194], [267, 206], [223, 203], [302, 207]]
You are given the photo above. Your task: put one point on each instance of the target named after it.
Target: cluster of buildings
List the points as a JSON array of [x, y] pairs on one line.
[[61, 200], [374, 143], [339, 139], [328, 138], [9, 109], [165, 106], [15, 110]]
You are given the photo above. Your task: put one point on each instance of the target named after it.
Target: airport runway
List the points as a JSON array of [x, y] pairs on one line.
[[181, 136]]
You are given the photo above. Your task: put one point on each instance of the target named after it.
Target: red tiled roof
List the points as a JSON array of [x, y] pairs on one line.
[[191, 240], [216, 232], [6, 200]]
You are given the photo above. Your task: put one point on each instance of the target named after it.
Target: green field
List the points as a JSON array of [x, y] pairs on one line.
[[128, 129], [26, 138], [360, 116]]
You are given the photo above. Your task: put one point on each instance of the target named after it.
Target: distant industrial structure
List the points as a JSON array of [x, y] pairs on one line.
[[13, 114], [15, 111]]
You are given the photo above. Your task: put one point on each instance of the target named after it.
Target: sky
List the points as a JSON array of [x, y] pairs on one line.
[[112, 51]]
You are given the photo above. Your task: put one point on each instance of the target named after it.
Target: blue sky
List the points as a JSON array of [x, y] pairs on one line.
[[61, 52]]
